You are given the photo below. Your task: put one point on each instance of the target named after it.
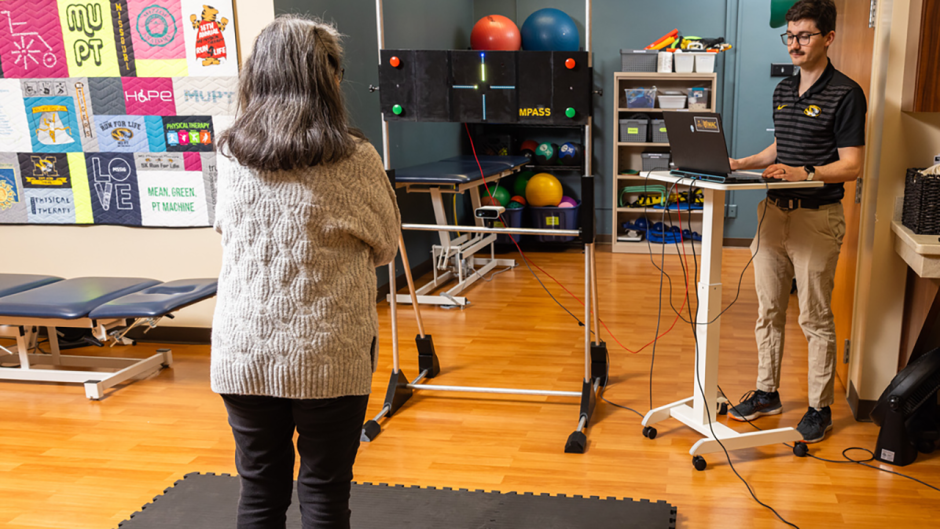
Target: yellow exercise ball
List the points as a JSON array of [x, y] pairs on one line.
[[543, 190]]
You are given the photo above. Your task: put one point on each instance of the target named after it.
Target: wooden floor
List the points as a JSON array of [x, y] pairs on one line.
[[69, 462]]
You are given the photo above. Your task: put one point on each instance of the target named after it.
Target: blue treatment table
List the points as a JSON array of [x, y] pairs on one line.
[[109, 306], [454, 258]]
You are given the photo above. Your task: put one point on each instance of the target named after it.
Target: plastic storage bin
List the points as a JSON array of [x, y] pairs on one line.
[[655, 161], [685, 62], [640, 97], [672, 101], [705, 62], [638, 60], [554, 218], [699, 98], [513, 218], [658, 128], [634, 130]]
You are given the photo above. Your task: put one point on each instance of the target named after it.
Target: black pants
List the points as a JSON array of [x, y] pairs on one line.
[[328, 439]]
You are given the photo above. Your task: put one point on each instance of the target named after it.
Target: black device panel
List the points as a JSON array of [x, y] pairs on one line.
[[500, 83], [535, 87], [397, 85], [433, 84], [572, 88], [529, 87], [466, 91]]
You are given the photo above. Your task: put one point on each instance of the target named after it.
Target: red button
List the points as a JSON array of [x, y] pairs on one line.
[[570, 64], [395, 62]]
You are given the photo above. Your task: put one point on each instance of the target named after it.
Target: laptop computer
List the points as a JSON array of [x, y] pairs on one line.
[[697, 142]]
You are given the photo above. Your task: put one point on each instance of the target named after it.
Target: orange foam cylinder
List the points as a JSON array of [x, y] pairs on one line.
[[674, 33], [663, 44]]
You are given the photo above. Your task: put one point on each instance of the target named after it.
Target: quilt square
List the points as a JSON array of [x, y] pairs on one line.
[[210, 38], [189, 133], [107, 95], [14, 127], [12, 204], [88, 31], [115, 198], [122, 133], [157, 29], [52, 124], [173, 198], [149, 96], [31, 43]]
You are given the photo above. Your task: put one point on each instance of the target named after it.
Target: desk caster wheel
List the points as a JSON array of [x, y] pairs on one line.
[[649, 432], [370, 430], [723, 409], [800, 449], [699, 463]]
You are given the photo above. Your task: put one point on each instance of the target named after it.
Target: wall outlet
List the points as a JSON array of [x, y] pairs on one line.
[[782, 69], [732, 211], [936, 159]]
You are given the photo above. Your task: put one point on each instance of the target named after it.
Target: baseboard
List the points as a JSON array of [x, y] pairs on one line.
[[180, 335], [736, 243], [861, 409]]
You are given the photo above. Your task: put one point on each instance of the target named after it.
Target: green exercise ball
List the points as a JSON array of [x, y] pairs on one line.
[[500, 193]]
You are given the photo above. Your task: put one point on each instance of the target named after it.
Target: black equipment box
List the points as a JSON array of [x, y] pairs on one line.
[[530, 87]]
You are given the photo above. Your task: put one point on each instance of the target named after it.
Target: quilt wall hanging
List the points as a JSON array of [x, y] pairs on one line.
[[110, 110]]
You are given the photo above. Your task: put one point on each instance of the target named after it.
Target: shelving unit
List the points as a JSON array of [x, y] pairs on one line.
[[627, 155]]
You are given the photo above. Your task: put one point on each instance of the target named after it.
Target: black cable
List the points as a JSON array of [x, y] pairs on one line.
[[740, 278], [698, 380], [862, 462], [524, 259], [605, 387], [661, 268]]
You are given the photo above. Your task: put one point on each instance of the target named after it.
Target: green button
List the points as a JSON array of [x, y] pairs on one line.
[[570, 112], [397, 109]]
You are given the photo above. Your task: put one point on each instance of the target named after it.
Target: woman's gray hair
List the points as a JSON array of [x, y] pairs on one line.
[[291, 112]]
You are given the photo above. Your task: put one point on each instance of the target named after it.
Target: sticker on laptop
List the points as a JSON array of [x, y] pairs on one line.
[[707, 124]]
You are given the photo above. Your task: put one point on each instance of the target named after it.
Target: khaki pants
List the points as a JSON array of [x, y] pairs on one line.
[[801, 243]]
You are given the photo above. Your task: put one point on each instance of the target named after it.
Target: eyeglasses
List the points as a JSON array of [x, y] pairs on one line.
[[802, 38]]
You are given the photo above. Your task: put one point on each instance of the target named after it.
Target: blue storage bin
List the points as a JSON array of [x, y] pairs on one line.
[[513, 218], [554, 218]]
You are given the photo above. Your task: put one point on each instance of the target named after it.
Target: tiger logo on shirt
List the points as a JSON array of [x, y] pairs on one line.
[[812, 111]]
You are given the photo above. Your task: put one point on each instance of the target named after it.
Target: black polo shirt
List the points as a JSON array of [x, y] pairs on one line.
[[810, 129]]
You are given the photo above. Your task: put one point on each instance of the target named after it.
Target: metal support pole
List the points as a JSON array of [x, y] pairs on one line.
[[597, 333], [411, 284], [393, 300], [587, 311]]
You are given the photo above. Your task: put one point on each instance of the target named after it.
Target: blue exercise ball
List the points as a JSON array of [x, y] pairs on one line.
[[550, 29]]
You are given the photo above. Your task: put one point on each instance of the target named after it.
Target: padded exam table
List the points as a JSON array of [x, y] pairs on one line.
[[453, 258], [109, 306]]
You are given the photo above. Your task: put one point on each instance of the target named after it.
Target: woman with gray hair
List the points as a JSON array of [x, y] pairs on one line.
[[306, 213]]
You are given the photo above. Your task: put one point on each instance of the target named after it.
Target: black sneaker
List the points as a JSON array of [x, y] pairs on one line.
[[815, 424], [755, 404]]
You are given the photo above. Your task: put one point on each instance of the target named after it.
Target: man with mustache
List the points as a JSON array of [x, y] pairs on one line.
[[819, 123]]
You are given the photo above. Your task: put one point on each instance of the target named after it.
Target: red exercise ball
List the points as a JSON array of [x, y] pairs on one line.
[[495, 32]]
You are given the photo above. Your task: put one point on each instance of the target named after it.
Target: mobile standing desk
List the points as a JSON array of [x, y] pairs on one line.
[[693, 411]]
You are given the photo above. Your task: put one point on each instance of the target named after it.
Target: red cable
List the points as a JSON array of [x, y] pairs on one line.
[[684, 298]]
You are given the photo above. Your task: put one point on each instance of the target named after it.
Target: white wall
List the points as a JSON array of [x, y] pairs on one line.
[[116, 251]]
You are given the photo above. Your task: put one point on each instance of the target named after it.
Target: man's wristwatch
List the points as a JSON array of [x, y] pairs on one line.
[[810, 172]]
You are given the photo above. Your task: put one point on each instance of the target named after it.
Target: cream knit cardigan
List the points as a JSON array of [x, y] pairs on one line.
[[296, 310]]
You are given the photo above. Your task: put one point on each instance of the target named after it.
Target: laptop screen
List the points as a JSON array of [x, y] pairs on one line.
[[697, 142]]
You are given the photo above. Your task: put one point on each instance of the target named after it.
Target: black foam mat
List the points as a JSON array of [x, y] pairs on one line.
[[209, 501]]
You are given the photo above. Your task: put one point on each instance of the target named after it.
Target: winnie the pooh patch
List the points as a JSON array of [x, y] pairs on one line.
[[210, 44]]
